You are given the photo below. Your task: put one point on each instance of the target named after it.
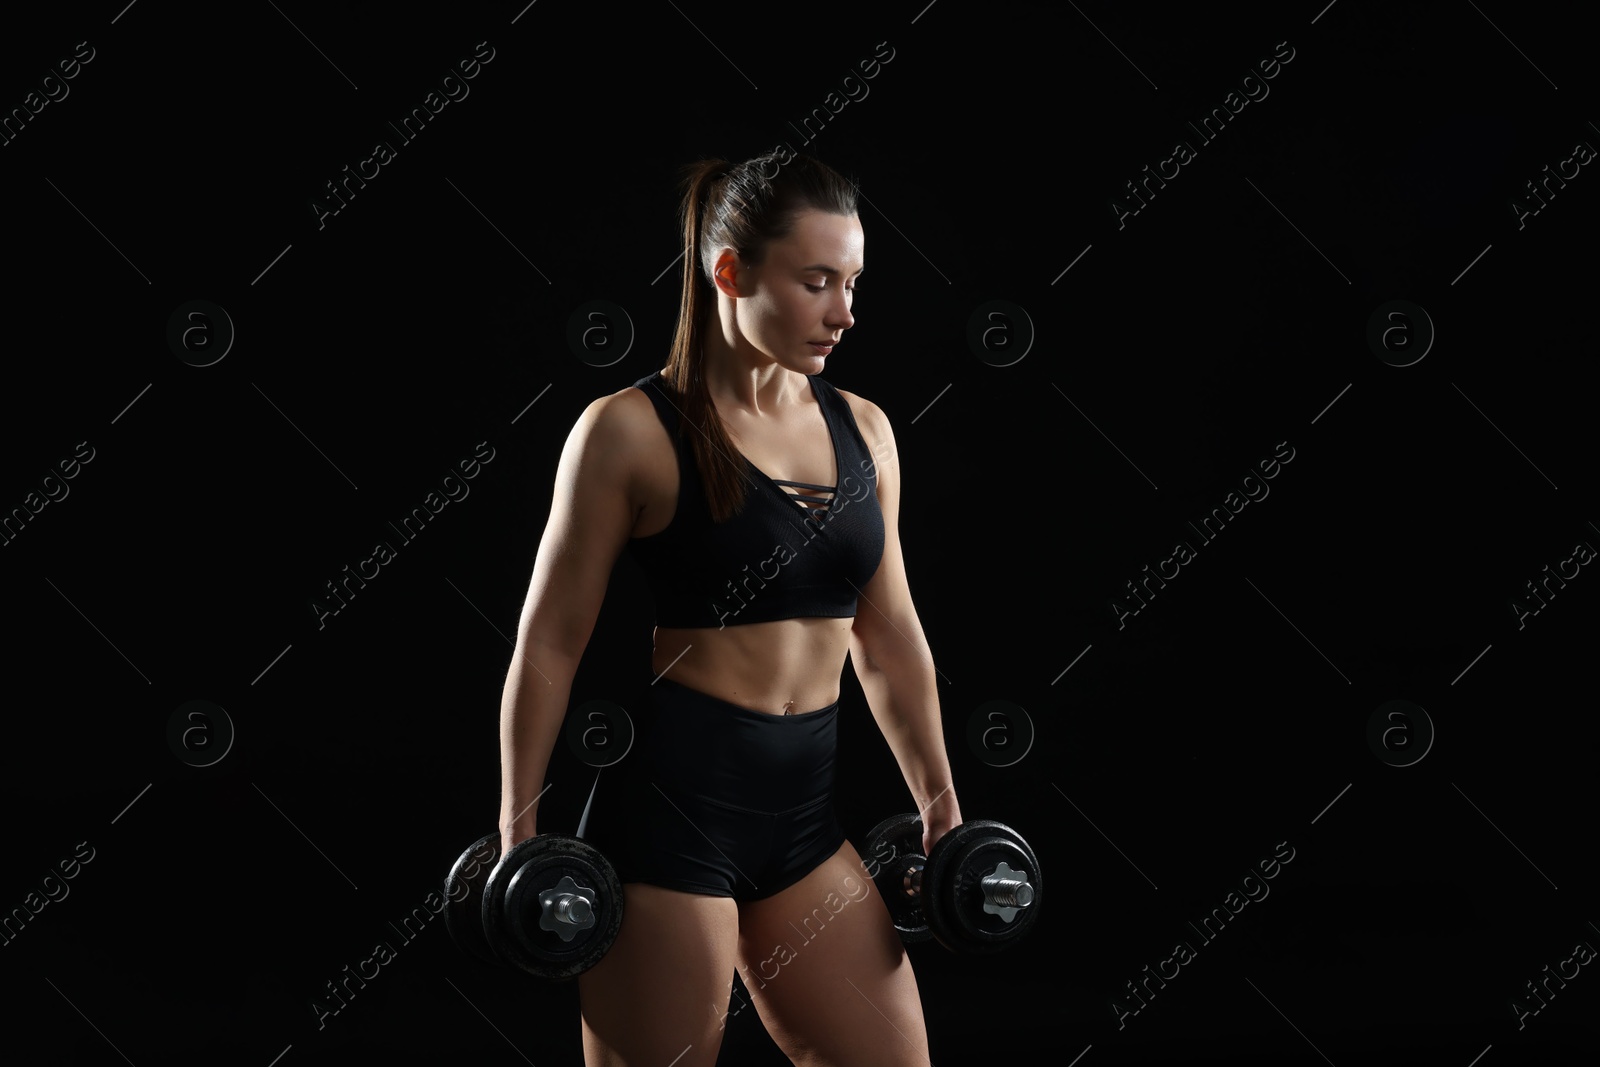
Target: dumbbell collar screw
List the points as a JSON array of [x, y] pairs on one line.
[[566, 908], [1006, 892]]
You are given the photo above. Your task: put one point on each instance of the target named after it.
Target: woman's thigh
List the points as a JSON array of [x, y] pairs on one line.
[[828, 973], [660, 994]]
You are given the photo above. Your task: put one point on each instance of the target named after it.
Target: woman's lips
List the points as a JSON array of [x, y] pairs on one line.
[[824, 349]]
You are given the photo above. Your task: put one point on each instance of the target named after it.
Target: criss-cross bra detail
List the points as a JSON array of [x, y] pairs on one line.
[[812, 505]]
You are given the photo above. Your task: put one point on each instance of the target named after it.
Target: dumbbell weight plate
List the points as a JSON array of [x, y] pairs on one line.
[[463, 897], [954, 897], [892, 846], [513, 910]]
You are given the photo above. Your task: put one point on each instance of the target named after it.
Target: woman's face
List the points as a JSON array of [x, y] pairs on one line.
[[803, 291]]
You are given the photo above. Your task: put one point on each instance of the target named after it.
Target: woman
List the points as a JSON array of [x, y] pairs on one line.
[[762, 503]]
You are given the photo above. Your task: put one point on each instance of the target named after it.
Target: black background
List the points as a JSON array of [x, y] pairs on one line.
[[1228, 315]]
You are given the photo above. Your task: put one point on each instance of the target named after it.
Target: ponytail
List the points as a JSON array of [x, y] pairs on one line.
[[723, 475]]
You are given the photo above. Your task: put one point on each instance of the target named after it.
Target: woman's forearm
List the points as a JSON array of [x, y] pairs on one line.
[[533, 706], [904, 699]]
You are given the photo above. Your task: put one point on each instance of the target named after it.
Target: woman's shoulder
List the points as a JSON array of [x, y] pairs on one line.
[[618, 438], [630, 413], [622, 421], [869, 417]]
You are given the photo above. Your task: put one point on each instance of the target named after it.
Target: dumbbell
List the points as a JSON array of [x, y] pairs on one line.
[[550, 907], [977, 891]]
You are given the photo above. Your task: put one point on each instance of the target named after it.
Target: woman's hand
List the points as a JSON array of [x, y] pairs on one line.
[[513, 833], [940, 817]]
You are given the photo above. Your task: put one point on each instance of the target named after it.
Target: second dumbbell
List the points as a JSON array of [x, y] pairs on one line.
[[551, 907], [977, 892]]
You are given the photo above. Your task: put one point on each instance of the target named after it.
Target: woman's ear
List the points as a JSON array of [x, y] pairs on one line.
[[726, 273]]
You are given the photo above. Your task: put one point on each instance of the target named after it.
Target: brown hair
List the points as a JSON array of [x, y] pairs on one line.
[[741, 206]]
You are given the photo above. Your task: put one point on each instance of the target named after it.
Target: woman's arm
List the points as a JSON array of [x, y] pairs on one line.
[[533, 706], [591, 517], [891, 657]]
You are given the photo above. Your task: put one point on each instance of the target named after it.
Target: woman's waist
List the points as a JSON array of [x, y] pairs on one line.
[[770, 667], [713, 698]]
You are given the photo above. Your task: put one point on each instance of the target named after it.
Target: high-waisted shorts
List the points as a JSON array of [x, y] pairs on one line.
[[721, 799]]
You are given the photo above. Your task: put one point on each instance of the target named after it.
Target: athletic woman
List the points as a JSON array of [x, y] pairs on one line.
[[762, 504]]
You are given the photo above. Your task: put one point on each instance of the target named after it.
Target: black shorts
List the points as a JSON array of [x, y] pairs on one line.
[[721, 799]]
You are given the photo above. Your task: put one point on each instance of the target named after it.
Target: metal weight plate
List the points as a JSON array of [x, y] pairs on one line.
[[463, 897], [553, 906], [986, 918], [893, 847], [964, 915]]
